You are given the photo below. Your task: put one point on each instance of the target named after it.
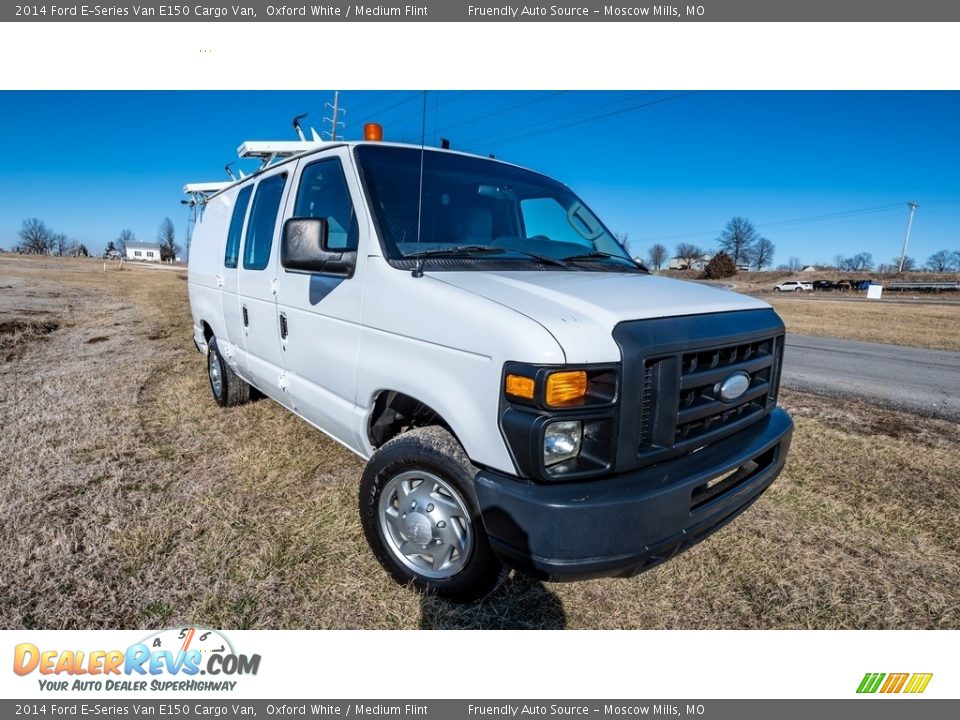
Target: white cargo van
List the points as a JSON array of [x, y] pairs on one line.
[[522, 391]]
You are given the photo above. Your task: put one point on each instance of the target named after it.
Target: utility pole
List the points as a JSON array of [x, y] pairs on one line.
[[334, 120], [906, 237]]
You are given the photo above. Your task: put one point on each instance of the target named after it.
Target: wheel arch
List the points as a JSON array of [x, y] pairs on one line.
[[395, 412]]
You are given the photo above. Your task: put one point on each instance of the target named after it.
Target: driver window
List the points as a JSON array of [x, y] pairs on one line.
[[323, 193]]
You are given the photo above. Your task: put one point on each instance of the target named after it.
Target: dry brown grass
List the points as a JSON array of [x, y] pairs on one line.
[[913, 324], [128, 499], [929, 320]]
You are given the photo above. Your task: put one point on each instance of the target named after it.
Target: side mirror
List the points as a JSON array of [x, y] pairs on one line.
[[305, 247]]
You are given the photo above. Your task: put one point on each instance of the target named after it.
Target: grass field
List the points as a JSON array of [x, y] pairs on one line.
[[129, 499], [917, 325]]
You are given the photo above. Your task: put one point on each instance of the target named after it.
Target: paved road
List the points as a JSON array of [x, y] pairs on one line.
[[915, 379]]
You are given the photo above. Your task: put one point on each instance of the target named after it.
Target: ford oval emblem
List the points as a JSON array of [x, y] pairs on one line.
[[734, 386]]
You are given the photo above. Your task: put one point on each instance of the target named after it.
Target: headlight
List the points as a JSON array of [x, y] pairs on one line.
[[561, 441]]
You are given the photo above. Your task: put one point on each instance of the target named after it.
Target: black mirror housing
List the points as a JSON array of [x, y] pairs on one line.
[[304, 248]]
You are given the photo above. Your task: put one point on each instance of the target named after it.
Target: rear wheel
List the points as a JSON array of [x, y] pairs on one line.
[[225, 385], [776, 289], [420, 516]]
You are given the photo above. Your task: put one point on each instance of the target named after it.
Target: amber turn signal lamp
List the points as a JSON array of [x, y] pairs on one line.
[[566, 387], [519, 386], [373, 132]]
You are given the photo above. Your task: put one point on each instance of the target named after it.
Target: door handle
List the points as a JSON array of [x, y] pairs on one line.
[[283, 326], [246, 317]]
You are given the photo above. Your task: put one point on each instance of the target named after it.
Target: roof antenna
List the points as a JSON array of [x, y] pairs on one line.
[[229, 171], [418, 268], [296, 125]]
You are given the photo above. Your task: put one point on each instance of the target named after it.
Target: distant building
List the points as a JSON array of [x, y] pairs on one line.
[[811, 268], [143, 252], [686, 264]]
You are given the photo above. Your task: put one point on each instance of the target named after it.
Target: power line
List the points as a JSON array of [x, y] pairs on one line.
[[437, 104], [483, 139], [507, 109], [595, 118], [843, 216]]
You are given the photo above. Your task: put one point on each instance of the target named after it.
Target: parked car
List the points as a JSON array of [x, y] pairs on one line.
[[793, 286], [824, 285], [521, 390]]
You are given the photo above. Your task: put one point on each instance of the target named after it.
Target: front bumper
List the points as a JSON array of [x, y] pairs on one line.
[[624, 524]]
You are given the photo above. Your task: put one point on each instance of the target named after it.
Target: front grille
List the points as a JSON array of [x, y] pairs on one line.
[[672, 371], [701, 412]]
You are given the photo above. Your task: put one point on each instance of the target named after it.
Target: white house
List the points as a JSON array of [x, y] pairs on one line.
[[143, 252], [684, 264]]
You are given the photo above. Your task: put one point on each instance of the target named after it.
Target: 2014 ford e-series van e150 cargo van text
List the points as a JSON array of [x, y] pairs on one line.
[[523, 392]]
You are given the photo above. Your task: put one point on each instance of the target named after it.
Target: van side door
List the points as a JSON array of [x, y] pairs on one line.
[[321, 312], [257, 284], [232, 347]]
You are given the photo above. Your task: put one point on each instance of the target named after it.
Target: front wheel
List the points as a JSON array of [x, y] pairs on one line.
[[420, 516], [776, 289]]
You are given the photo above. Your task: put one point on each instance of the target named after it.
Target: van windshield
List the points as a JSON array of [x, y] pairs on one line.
[[482, 210]]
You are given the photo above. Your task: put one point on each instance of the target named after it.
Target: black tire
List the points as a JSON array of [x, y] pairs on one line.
[[776, 289], [233, 390], [432, 450]]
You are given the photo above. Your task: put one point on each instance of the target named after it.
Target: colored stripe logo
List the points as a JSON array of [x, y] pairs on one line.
[[912, 683]]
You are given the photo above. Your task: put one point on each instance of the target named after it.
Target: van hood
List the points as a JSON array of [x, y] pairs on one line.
[[580, 309]]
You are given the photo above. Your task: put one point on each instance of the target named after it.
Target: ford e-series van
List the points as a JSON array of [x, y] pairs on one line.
[[523, 392]]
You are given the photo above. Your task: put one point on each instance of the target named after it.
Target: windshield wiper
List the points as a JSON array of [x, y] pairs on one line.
[[597, 255], [546, 259], [454, 251], [459, 250]]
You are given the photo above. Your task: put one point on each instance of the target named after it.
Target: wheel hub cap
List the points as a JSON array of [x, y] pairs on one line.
[[426, 524], [417, 529]]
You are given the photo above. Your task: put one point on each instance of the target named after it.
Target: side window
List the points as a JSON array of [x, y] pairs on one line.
[[263, 221], [323, 193], [232, 255]]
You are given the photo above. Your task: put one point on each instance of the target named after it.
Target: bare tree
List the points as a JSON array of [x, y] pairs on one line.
[[859, 262], [688, 253], [955, 259], [166, 236], [739, 239], [839, 261], [794, 264], [658, 255], [35, 237], [763, 253], [125, 236], [939, 261], [82, 251], [909, 264], [59, 243]]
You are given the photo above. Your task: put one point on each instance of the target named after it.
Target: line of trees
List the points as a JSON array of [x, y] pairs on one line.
[[38, 238], [740, 241]]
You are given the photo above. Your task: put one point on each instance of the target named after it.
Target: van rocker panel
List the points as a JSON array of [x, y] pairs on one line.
[[624, 524]]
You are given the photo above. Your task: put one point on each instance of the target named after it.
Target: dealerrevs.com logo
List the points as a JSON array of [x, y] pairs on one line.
[[173, 659]]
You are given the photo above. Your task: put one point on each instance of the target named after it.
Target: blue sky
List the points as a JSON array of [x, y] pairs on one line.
[[820, 173]]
